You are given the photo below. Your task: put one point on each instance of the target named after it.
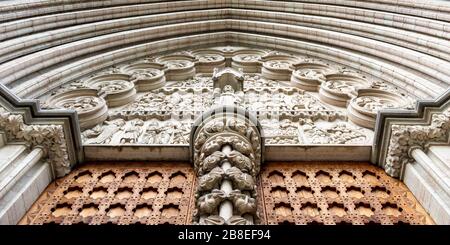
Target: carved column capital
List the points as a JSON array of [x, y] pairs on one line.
[[405, 137], [48, 137]]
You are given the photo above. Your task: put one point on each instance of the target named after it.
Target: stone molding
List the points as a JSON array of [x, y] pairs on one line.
[[397, 131], [49, 137], [56, 132]]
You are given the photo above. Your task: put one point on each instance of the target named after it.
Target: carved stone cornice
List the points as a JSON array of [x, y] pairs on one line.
[[49, 137]]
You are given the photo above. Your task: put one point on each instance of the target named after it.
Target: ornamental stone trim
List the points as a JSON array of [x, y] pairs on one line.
[[405, 137], [49, 137]]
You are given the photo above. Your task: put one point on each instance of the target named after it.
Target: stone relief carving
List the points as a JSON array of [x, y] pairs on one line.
[[278, 66], [137, 131], [208, 60], [309, 74], [363, 108], [146, 75], [339, 133], [404, 137], [179, 86], [340, 87], [248, 60], [281, 132], [226, 154], [179, 66], [90, 108], [50, 137], [252, 81], [80, 104]]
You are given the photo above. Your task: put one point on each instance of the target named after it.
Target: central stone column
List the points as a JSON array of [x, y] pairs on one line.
[[226, 148]]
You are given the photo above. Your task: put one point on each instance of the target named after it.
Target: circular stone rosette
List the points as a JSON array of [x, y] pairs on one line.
[[207, 60], [309, 75], [146, 76], [248, 60], [277, 67], [178, 67], [91, 109], [363, 109], [116, 88], [339, 88]]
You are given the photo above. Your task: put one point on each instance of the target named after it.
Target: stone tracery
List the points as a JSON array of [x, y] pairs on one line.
[[279, 87]]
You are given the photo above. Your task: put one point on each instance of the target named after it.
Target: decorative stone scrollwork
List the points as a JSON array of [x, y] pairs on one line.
[[404, 137], [226, 152], [310, 74], [91, 109], [179, 67], [277, 67], [248, 60], [363, 109], [145, 75], [49, 137], [260, 87], [207, 60], [339, 88], [116, 89]]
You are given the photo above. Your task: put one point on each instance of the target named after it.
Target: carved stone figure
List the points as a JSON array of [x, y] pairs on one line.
[[211, 161], [312, 74], [132, 131], [80, 104], [248, 57], [177, 64], [102, 134], [211, 180], [240, 161], [209, 57], [241, 181], [278, 64], [208, 203], [374, 104], [112, 86], [145, 74], [242, 203], [238, 220]]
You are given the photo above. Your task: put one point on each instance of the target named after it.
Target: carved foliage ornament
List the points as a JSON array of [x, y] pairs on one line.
[[210, 159], [49, 137], [403, 137]]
